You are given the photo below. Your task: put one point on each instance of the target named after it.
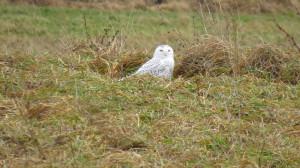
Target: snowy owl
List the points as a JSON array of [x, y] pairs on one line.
[[162, 63]]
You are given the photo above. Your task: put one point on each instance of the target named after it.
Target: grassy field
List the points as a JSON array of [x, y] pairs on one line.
[[47, 27], [61, 104]]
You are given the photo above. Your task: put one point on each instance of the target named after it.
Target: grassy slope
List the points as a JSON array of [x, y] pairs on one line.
[[54, 111]]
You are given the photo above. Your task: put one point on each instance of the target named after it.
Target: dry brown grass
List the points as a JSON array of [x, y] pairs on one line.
[[118, 65], [271, 62], [107, 56], [213, 57], [266, 58], [210, 57]]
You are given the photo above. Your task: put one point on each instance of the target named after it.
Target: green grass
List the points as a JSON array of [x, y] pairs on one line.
[[95, 120], [141, 28], [56, 111]]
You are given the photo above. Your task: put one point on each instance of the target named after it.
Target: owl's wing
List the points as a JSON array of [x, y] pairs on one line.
[[154, 67], [150, 66]]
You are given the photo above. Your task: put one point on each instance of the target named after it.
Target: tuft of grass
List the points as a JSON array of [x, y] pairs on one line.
[[214, 57], [105, 55], [118, 65], [211, 56], [272, 63]]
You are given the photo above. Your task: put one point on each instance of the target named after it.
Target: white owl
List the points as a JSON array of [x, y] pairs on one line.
[[162, 63]]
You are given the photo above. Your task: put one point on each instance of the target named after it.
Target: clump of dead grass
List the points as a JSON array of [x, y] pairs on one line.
[[106, 55], [265, 58], [213, 57], [209, 57], [272, 63], [117, 65]]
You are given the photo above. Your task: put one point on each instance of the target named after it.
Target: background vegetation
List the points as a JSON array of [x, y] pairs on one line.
[[245, 6], [233, 100]]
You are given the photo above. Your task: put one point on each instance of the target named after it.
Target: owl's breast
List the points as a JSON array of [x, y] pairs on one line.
[[169, 62]]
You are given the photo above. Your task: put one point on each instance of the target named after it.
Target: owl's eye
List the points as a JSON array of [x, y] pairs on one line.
[[161, 50], [169, 50]]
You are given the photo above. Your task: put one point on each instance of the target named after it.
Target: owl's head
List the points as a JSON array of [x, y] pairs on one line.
[[163, 52]]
